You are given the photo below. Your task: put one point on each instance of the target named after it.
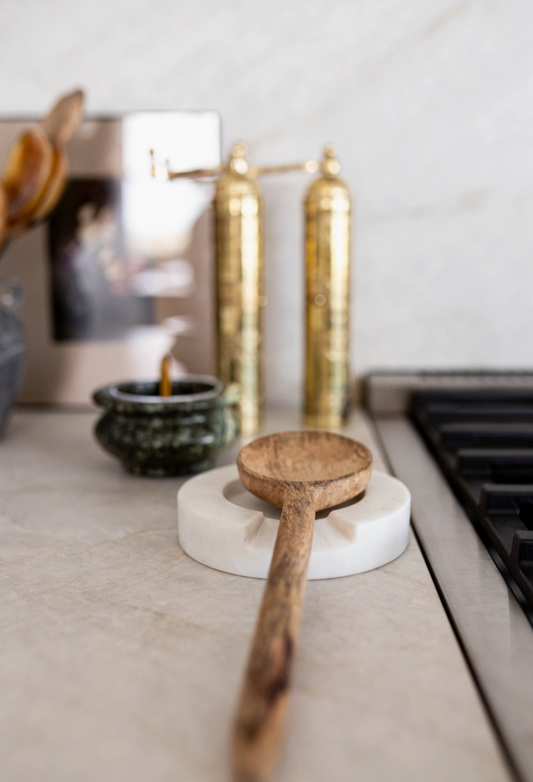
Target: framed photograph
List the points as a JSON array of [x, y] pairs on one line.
[[122, 272]]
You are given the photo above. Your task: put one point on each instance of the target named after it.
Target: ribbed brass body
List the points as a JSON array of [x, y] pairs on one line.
[[327, 376], [239, 290]]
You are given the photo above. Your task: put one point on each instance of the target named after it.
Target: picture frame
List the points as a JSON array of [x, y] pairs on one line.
[[122, 271]]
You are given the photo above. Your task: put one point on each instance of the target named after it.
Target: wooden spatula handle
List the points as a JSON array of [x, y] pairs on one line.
[[262, 710]]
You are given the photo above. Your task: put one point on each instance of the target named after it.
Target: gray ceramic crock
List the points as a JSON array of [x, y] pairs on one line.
[[174, 435], [12, 345]]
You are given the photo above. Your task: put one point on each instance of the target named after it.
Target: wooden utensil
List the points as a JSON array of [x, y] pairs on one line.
[[64, 117], [54, 187], [302, 473], [37, 167], [28, 169], [165, 383]]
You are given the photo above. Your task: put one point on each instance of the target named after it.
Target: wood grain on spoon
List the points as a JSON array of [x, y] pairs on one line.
[[54, 187], [64, 117], [29, 166], [302, 473]]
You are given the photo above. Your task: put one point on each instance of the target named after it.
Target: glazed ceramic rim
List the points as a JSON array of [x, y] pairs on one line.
[[114, 394]]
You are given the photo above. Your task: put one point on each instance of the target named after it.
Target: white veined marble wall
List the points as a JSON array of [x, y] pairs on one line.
[[429, 101]]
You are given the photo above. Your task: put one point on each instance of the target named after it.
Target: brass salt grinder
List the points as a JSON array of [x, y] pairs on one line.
[[238, 207]]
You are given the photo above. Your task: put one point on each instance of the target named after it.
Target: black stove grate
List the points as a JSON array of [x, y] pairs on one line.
[[483, 442]]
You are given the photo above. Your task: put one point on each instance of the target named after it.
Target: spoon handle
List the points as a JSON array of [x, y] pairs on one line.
[[262, 709]]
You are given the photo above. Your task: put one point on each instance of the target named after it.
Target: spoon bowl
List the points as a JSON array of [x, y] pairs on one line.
[[331, 467]]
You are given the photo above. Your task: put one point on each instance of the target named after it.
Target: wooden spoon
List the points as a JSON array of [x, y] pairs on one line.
[[48, 197], [36, 170], [302, 473], [28, 170], [54, 187], [64, 117]]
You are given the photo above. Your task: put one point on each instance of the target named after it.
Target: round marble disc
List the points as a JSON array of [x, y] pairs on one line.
[[225, 527]]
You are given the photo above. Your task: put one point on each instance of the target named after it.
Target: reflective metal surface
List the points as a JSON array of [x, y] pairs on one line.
[[492, 628], [239, 288], [390, 392], [239, 272], [327, 249]]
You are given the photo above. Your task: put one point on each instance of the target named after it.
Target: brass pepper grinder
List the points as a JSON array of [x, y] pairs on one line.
[[238, 207], [327, 251]]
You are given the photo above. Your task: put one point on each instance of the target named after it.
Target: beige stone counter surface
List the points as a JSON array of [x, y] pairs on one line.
[[121, 657]]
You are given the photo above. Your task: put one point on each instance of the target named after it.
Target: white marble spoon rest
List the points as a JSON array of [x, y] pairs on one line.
[[223, 526]]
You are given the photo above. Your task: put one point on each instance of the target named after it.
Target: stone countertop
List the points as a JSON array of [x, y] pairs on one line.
[[121, 657]]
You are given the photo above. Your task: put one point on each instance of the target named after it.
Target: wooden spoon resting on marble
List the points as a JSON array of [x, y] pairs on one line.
[[301, 473]]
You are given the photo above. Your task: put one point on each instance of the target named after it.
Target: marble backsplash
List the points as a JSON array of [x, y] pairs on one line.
[[430, 103]]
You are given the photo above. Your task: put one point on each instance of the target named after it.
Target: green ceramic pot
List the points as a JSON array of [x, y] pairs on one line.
[[174, 435]]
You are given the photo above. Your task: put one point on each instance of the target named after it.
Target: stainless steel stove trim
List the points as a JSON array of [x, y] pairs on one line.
[[495, 635], [390, 392]]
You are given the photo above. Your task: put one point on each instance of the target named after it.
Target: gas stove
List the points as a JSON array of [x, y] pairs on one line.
[[463, 444]]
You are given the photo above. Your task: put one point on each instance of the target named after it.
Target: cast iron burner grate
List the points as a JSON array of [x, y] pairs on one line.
[[483, 442]]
